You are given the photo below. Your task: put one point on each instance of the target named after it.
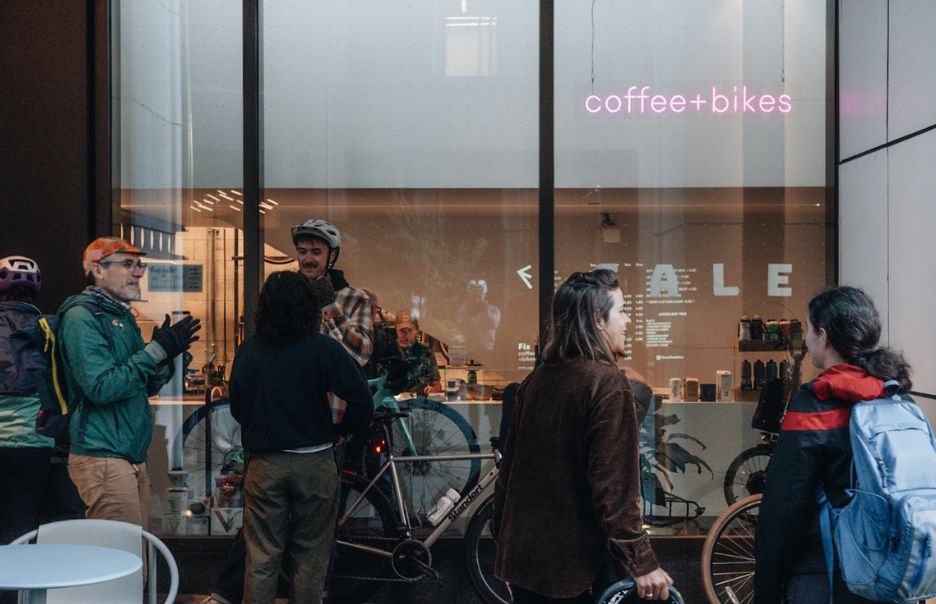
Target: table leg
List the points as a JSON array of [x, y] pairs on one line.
[[34, 596]]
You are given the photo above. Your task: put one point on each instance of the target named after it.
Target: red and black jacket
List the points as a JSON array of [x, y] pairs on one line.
[[813, 448]]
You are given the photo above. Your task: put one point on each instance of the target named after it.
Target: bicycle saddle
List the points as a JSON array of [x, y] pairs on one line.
[[625, 592]]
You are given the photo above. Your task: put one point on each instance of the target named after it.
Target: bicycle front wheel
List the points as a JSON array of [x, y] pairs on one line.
[[435, 429], [747, 474], [357, 574], [728, 554], [480, 548]]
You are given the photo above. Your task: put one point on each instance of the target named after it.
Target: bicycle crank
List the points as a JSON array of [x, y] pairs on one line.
[[412, 560]]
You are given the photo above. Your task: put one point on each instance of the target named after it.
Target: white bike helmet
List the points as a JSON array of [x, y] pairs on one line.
[[320, 229], [19, 271]]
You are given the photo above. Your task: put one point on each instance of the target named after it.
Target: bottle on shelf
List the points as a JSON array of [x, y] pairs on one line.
[[770, 370], [757, 329], [759, 374], [744, 329], [746, 383]]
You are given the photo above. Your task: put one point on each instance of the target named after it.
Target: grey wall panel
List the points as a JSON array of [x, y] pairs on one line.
[[911, 67], [912, 219], [862, 75], [863, 227]]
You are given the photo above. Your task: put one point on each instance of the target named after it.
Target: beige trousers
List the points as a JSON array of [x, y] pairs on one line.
[[112, 488], [290, 505]]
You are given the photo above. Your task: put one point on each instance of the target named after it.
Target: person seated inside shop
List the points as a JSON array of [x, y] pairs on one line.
[[418, 371]]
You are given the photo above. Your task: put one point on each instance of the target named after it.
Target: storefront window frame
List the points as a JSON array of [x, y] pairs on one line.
[[105, 63]]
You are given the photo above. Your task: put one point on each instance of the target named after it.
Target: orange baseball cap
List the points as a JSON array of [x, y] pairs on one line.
[[102, 247], [404, 318]]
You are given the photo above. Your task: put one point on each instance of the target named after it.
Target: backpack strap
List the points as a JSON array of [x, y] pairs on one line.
[[892, 389], [49, 347], [825, 527]]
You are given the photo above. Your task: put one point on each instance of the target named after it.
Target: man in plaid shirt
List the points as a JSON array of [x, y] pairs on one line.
[[347, 316], [346, 313]]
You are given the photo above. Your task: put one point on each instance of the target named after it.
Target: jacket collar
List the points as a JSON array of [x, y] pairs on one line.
[[848, 383]]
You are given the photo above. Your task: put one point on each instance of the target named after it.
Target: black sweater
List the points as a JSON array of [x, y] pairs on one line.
[[279, 392]]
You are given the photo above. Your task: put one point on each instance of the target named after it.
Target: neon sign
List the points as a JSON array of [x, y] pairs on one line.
[[639, 100]]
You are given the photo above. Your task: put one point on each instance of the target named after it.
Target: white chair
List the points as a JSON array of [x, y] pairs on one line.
[[116, 535]]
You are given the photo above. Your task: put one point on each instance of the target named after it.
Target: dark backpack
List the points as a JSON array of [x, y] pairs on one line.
[[55, 402]]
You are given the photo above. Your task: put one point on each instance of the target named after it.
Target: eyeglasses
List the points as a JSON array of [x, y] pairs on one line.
[[130, 265]]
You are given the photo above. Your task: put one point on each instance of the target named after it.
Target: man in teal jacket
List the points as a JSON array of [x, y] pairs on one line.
[[110, 375]]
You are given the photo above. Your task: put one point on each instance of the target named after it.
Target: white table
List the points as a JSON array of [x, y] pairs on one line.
[[37, 567]]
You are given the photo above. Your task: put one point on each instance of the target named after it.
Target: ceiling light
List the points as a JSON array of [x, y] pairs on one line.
[[271, 201], [212, 196], [196, 209], [234, 207], [236, 192]]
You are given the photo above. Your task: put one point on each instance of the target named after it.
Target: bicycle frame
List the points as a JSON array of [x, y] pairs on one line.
[[403, 516], [384, 397]]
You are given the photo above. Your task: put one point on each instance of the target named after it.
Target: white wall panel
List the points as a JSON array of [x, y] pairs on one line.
[[862, 75], [863, 227], [912, 218], [912, 67]]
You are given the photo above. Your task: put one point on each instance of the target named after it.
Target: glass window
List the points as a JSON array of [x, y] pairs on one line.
[[413, 128], [690, 158], [178, 82]]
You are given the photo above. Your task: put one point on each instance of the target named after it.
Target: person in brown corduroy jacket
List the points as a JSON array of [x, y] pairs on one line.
[[567, 500]]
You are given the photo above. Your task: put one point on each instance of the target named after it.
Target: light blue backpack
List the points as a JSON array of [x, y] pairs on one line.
[[885, 535]]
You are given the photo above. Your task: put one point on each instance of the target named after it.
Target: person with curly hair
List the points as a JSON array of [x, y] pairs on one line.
[[279, 393]]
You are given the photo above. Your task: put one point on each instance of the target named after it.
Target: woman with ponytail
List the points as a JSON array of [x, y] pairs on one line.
[[842, 333], [567, 500]]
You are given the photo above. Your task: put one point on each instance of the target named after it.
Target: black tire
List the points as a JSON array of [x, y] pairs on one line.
[[480, 547], [728, 553], [224, 452], [436, 429], [358, 575], [747, 474]]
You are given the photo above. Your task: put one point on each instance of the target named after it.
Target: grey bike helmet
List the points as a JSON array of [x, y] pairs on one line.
[[320, 229]]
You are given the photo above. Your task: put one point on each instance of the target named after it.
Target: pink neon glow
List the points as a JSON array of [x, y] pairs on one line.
[[740, 99]]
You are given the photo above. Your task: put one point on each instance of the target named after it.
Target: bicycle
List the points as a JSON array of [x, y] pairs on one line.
[[728, 554], [375, 542], [747, 473], [209, 445]]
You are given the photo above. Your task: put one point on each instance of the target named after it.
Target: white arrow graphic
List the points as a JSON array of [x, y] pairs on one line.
[[526, 276]]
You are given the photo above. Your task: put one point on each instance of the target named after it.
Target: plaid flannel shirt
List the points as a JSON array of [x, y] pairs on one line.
[[348, 321]]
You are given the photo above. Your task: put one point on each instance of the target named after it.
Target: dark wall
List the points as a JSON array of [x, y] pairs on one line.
[[45, 131]]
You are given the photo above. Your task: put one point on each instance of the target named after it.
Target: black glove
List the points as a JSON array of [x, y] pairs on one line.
[[324, 291], [176, 339], [165, 325]]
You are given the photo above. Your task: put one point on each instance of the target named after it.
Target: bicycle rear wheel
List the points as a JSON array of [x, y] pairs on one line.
[[357, 575], [480, 548], [728, 554], [747, 473], [436, 429], [224, 453]]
